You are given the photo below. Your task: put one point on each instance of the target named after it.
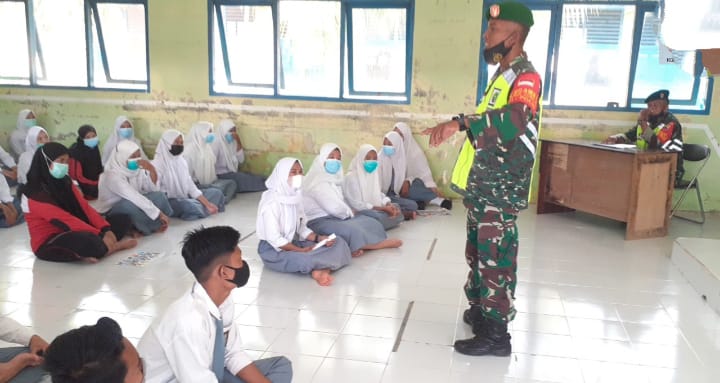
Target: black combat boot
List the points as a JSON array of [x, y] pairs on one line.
[[475, 318], [494, 340]]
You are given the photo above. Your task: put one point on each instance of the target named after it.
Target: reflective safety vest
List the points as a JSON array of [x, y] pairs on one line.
[[496, 96], [640, 142]]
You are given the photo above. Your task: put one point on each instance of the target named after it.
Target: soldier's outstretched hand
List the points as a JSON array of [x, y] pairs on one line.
[[441, 132]]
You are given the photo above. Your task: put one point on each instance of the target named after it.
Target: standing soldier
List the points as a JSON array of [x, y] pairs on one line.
[[493, 174]]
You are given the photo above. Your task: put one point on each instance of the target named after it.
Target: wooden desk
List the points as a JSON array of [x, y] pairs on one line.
[[626, 185]]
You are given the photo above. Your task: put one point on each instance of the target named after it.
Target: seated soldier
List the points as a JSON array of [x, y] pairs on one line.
[[656, 128]]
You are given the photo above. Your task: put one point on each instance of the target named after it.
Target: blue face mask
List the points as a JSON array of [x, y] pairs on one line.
[[210, 138], [332, 166], [370, 165], [133, 164], [126, 132], [229, 138], [30, 122], [388, 150], [91, 142], [40, 145], [58, 170]]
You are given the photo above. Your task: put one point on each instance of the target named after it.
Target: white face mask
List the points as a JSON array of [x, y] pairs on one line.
[[296, 181]]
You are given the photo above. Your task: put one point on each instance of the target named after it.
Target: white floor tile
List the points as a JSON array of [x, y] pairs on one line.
[[581, 318]]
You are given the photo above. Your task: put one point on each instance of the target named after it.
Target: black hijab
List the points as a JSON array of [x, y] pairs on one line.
[[43, 187], [89, 158]]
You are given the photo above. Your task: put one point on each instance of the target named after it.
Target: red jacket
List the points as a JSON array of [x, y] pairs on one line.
[[45, 220], [76, 173]]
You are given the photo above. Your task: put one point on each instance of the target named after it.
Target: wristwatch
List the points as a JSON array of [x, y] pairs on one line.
[[460, 118]]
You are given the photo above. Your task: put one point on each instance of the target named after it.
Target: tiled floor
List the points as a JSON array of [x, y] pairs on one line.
[[592, 307]]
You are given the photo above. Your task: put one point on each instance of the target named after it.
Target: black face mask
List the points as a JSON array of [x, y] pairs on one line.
[[176, 150], [494, 55], [242, 274]]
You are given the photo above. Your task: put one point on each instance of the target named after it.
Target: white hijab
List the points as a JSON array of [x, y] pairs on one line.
[[199, 154], [227, 149], [117, 163], [317, 173], [115, 138], [170, 169], [397, 162], [369, 182], [281, 195], [417, 164], [22, 116], [31, 138]]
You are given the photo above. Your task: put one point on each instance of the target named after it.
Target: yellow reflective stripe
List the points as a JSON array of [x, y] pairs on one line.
[[463, 165]]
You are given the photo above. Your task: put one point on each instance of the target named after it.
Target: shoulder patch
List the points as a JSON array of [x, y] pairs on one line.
[[526, 90]]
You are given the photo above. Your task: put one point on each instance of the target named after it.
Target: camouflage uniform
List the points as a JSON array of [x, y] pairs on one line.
[[664, 132], [504, 138]]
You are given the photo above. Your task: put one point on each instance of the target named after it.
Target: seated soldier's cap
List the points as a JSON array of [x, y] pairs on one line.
[[511, 11], [662, 94]]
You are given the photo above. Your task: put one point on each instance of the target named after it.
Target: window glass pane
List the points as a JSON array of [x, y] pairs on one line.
[[123, 28], [309, 39], [61, 33], [249, 38], [651, 75], [594, 55], [536, 46], [14, 66], [379, 43]]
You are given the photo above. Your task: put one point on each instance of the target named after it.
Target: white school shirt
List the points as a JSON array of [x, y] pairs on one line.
[[6, 158], [5, 195], [269, 227], [326, 199], [353, 194], [13, 332], [178, 347], [114, 187], [23, 166], [221, 165]]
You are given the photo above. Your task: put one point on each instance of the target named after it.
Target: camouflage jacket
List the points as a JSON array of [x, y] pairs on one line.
[[505, 139]]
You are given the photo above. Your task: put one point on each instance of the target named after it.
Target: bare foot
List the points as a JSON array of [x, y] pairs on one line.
[[358, 253], [90, 260], [385, 244], [126, 243], [409, 215], [322, 277]]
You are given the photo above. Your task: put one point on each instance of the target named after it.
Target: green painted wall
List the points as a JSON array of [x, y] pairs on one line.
[[445, 62]]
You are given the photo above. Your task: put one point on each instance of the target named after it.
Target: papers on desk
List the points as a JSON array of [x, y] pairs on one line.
[[617, 146], [324, 241]]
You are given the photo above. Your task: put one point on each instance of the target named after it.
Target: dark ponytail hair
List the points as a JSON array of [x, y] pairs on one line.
[[89, 354]]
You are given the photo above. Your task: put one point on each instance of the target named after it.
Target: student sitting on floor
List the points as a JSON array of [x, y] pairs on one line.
[[128, 186], [423, 188], [62, 226], [200, 158], [328, 212], [286, 244], [8, 166], [362, 190], [85, 162], [20, 364], [36, 138], [230, 153], [10, 210], [122, 131], [97, 353], [187, 201], [25, 120], [393, 168], [196, 339]]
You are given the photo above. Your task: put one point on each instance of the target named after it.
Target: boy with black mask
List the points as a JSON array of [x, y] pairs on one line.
[[196, 339]]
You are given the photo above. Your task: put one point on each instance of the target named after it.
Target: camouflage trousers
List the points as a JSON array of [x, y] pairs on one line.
[[491, 252]]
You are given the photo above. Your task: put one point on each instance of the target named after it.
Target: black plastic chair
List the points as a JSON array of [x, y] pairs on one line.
[[692, 153]]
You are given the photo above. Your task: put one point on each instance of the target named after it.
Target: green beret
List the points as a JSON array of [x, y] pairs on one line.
[[511, 11], [662, 94]]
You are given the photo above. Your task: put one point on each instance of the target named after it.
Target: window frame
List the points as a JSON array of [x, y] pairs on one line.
[[549, 87], [90, 16], [346, 65]]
